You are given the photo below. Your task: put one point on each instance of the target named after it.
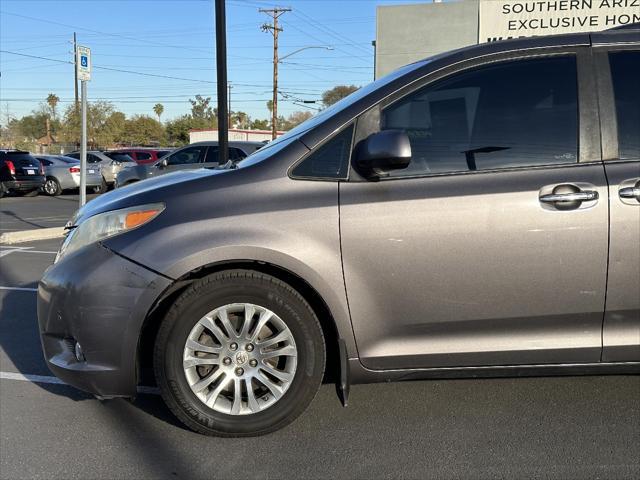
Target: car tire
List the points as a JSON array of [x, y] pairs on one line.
[[52, 187], [267, 408], [100, 188]]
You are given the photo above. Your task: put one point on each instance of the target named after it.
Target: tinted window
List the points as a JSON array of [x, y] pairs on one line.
[[143, 156], [20, 159], [91, 158], [235, 154], [45, 162], [119, 157], [513, 114], [625, 70], [67, 159], [186, 156], [329, 160], [74, 155], [212, 155], [162, 153]]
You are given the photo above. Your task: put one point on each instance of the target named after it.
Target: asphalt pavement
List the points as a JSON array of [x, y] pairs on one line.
[[555, 427], [25, 213]]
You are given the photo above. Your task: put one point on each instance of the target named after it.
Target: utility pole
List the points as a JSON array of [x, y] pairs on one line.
[[274, 13], [221, 70], [75, 71]]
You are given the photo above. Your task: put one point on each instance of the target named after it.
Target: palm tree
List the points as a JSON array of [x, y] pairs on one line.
[[52, 101], [158, 109]]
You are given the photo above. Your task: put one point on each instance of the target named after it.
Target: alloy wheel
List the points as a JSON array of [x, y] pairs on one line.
[[240, 359]]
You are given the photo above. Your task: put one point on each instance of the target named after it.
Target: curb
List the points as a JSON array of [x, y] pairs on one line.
[[9, 238]]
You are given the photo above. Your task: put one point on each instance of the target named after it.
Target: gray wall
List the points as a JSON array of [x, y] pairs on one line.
[[407, 33]]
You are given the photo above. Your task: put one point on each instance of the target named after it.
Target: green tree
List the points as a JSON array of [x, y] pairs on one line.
[[296, 118], [178, 129], [52, 102], [259, 124], [158, 108], [201, 108], [331, 96], [101, 125], [144, 130]]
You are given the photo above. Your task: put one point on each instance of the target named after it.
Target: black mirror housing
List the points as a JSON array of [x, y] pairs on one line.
[[383, 151]]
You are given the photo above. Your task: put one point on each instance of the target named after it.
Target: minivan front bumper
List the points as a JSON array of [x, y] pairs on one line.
[[98, 299]]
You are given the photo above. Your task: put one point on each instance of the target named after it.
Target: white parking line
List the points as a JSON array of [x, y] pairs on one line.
[[54, 380], [20, 289], [4, 251]]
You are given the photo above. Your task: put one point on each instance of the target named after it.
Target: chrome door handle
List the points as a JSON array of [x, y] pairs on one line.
[[586, 196], [629, 192]]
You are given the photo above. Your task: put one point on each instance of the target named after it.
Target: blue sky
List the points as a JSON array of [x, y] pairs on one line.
[[176, 38]]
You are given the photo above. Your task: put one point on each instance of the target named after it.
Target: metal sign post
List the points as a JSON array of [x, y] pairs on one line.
[[83, 61]]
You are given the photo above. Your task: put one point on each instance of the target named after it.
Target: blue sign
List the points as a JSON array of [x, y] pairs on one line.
[[84, 61]]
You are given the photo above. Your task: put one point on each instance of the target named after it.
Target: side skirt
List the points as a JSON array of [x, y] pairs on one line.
[[359, 374]]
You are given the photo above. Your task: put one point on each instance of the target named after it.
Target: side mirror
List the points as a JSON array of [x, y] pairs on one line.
[[383, 151], [163, 163]]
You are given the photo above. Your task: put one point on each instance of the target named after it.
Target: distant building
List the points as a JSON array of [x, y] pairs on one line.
[[408, 33], [235, 135]]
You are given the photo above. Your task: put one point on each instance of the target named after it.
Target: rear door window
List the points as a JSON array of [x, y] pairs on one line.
[[143, 156], [625, 72]]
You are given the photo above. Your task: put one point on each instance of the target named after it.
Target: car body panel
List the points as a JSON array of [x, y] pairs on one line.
[[471, 270], [104, 312]]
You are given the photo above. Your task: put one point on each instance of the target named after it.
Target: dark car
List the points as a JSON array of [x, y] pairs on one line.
[[473, 214], [144, 156], [20, 173], [195, 155]]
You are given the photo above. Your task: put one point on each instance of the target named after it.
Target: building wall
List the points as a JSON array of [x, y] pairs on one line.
[[234, 135], [408, 33]]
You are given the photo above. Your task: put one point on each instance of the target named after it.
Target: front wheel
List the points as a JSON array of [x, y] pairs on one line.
[[240, 353]]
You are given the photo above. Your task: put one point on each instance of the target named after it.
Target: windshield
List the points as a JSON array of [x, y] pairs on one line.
[[343, 104]]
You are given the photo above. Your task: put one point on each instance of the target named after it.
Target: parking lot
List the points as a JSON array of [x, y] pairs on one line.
[[561, 427], [20, 213]]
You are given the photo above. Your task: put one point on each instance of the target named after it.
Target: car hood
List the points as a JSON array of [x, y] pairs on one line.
[[152, 190]]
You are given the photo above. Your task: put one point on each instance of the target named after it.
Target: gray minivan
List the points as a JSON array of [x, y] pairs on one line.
[[473, 214]]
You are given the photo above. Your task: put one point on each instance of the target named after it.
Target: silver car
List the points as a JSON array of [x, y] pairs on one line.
[[63, 173], [110, 162], [196, 155]]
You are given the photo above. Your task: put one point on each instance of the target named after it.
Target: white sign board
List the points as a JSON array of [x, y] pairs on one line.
[[500, 19], [83, 61]]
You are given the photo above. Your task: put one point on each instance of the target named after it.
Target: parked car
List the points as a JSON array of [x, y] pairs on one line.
[[110, 163], [63, 173], [196, 155], [144, 156], [20, 173], [473, 214]]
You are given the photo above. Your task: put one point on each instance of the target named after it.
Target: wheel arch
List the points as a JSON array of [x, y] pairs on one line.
[[327, 320]]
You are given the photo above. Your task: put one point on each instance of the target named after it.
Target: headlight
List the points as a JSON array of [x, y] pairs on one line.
[[108, 224]]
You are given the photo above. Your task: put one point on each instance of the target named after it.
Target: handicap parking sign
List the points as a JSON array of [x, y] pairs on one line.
[[84, 62]]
